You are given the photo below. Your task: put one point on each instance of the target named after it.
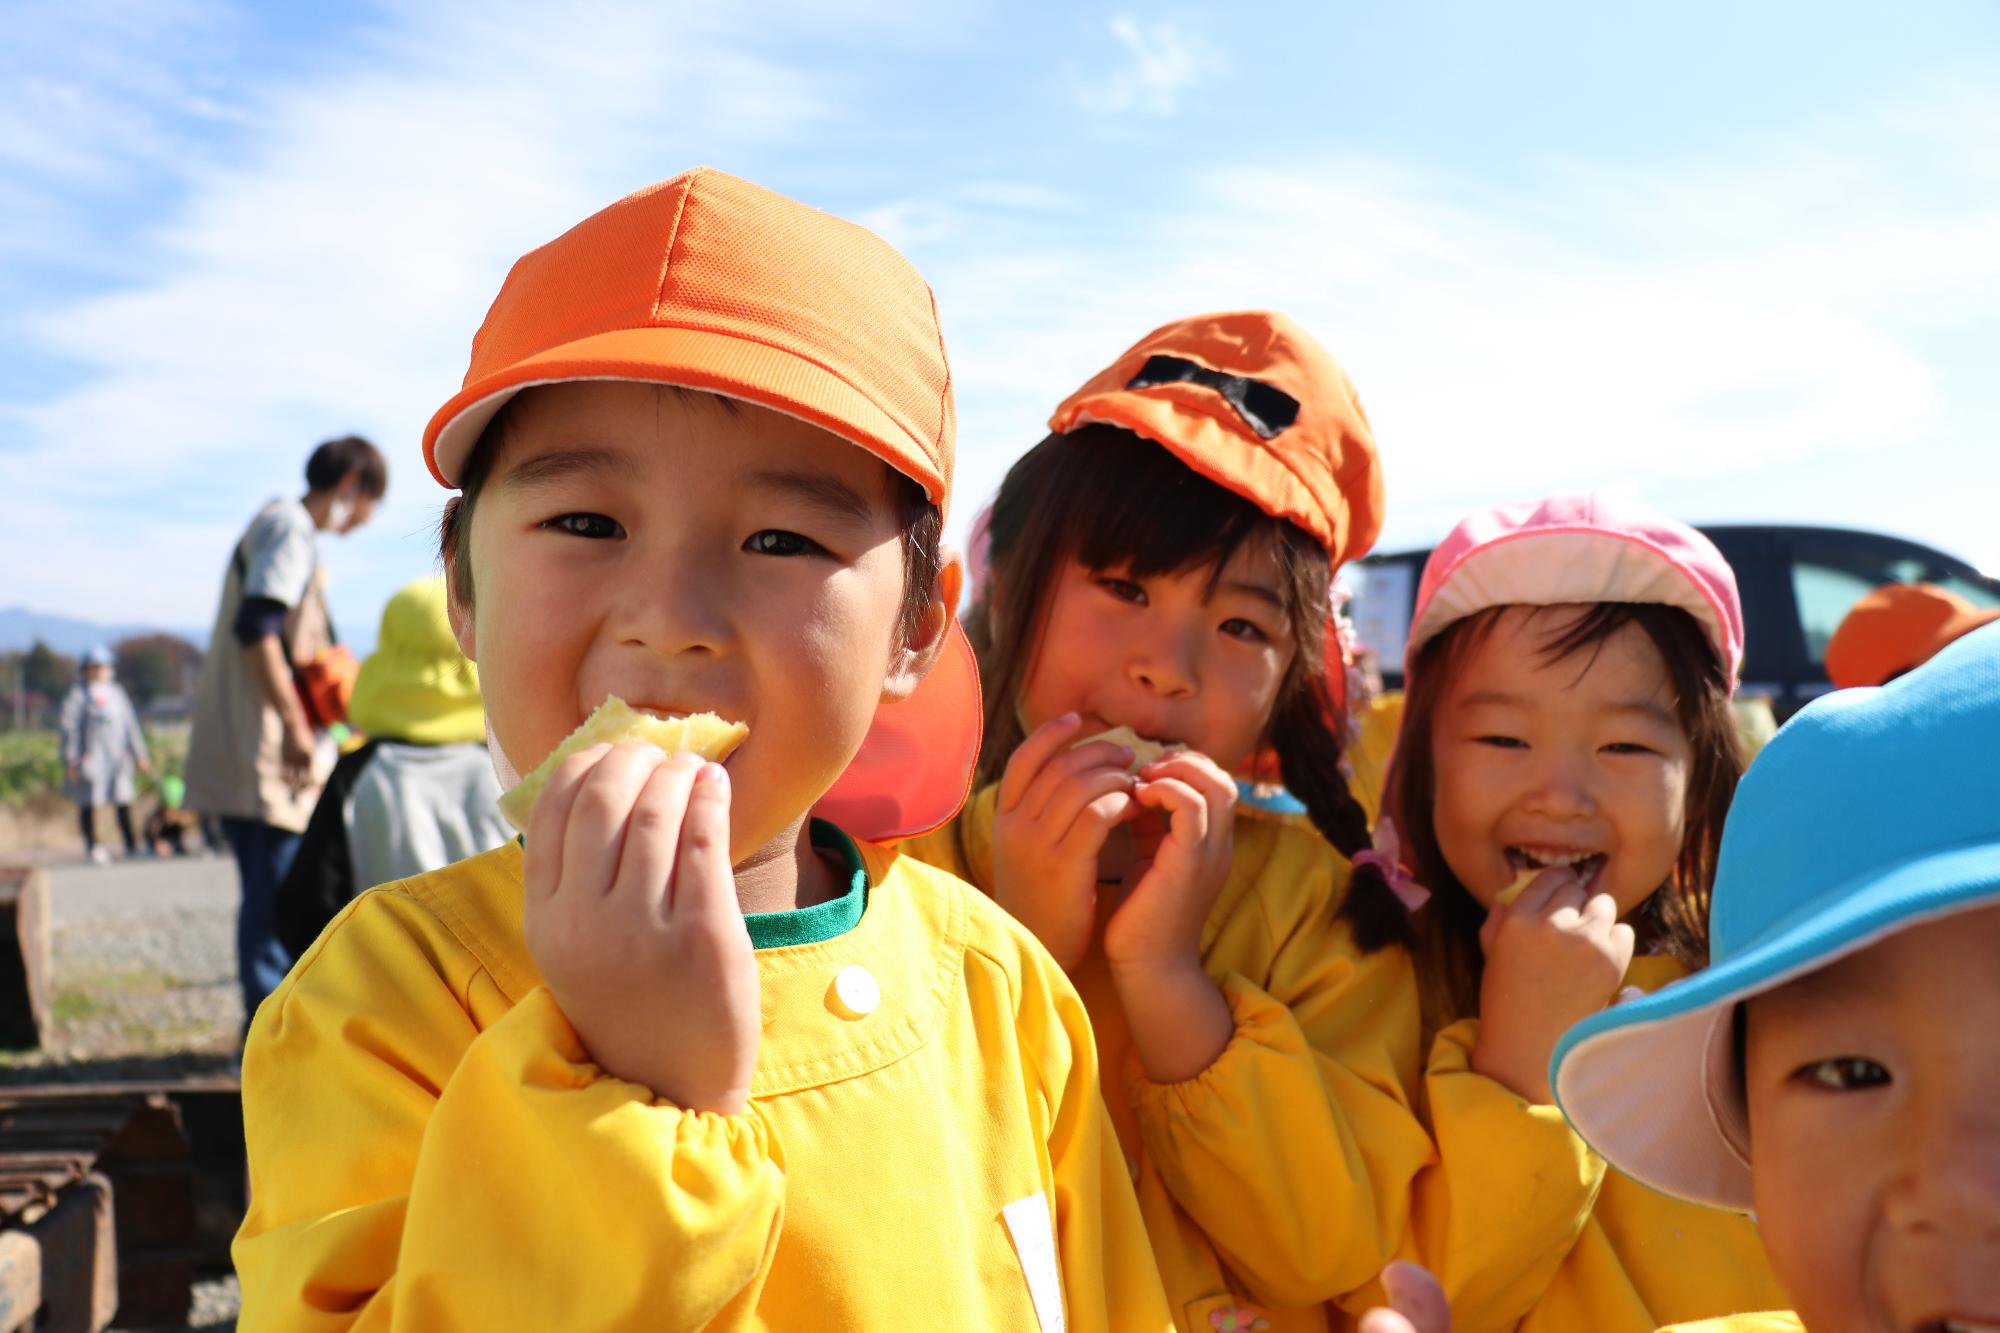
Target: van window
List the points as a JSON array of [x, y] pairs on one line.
[[1825, 596], [1978, 593], [1830, 574]]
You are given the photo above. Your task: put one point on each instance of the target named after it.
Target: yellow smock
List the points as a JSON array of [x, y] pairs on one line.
[[1278, 1178], [1317, 1147], [1527, 1229], [431, 1149]]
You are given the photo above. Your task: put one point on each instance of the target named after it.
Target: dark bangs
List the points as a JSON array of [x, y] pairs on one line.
[[1138, 508]]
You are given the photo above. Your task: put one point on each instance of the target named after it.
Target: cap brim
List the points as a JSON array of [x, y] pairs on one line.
[[687, 358], [916, 765], [1564, 566], [1650, 1083]]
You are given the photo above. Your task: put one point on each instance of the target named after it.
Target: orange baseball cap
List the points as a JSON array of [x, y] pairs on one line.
[[1252, 402], [1896, 628], [708, 282]]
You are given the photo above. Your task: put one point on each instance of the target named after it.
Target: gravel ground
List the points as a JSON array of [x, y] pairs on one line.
[[144, 968], [143, 957]]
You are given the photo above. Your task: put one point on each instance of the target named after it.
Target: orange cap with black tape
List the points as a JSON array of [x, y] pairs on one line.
[[708, 282], [1252, 402]]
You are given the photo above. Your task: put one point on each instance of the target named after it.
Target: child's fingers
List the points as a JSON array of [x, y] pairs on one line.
[[594, 837], [1624, 941], [1380, 1320], [1064, 769], [653, 833], [1538, 898], [1080, 792], [1205, 776], [1187, 812], [1490, 928], [1600, 910], [542, 859], [1090, 826], [1198, 771], [1416, 1296], [1025, 764], [703, 886]]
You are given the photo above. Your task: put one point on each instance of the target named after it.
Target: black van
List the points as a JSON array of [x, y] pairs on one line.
[[1797, 584]]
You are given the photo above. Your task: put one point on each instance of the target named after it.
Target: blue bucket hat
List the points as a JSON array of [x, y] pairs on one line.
[[1874, 810], [99, 656]]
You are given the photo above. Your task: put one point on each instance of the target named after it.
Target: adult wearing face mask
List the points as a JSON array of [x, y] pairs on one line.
[[258, 755], [101, 745]]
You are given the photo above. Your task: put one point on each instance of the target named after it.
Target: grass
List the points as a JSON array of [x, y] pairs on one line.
[[31, 762], [111, 1006]]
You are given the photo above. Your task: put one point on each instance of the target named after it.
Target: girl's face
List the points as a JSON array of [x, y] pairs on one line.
[[1573, 760], [1874, 1094], [1170, 656]]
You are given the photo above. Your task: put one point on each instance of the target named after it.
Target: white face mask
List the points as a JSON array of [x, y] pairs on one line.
[[503, 769], [338, 513]]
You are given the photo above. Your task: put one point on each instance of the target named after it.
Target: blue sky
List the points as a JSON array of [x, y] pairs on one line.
[[1740, 260]]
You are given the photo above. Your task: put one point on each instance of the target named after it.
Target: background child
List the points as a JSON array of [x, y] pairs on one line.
[[1897, 628], [101, 746], [419, 792], [1569, 671], [171, 823], [1164, 561], [1838, 1067], [693, 1059]]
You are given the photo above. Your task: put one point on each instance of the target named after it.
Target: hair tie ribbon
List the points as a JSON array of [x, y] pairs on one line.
[[1387, 856]]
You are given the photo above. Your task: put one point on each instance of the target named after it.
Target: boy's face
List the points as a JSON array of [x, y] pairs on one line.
[[688, 557], [1574, 760], [1874, 1098]]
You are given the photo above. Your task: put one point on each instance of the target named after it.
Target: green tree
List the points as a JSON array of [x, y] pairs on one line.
[[153, 665], [46, 672], [144, 669]]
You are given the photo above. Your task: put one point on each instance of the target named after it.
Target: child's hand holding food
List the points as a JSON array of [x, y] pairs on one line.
[[1554, 955], [631, 915], [1057, 804]]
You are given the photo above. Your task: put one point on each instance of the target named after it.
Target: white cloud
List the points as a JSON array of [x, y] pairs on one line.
[[1658, 331], [1160, 62], [1664, 330], [327, 273]]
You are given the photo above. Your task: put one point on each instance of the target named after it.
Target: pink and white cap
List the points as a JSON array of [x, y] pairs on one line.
[[1575, 549]]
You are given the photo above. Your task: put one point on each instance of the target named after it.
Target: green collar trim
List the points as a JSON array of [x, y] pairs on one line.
[[822, 921]]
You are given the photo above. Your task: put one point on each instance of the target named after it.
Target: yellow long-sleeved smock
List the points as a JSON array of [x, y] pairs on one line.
[[431, 1149], [1277, 1178], [1528, 1230], [1775, 1322], [1320, 1145]]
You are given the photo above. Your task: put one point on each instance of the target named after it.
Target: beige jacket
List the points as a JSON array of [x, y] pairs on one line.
[[236, 749]]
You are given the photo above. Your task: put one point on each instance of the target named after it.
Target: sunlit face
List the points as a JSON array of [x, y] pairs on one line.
[[1874, 1098], [688, 558], [1168, 656], [1578, 760]]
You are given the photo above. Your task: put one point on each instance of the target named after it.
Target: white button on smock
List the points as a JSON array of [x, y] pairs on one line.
[[856, 992]]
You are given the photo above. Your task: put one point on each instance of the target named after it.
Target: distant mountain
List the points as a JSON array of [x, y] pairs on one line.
[[20, 627]]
